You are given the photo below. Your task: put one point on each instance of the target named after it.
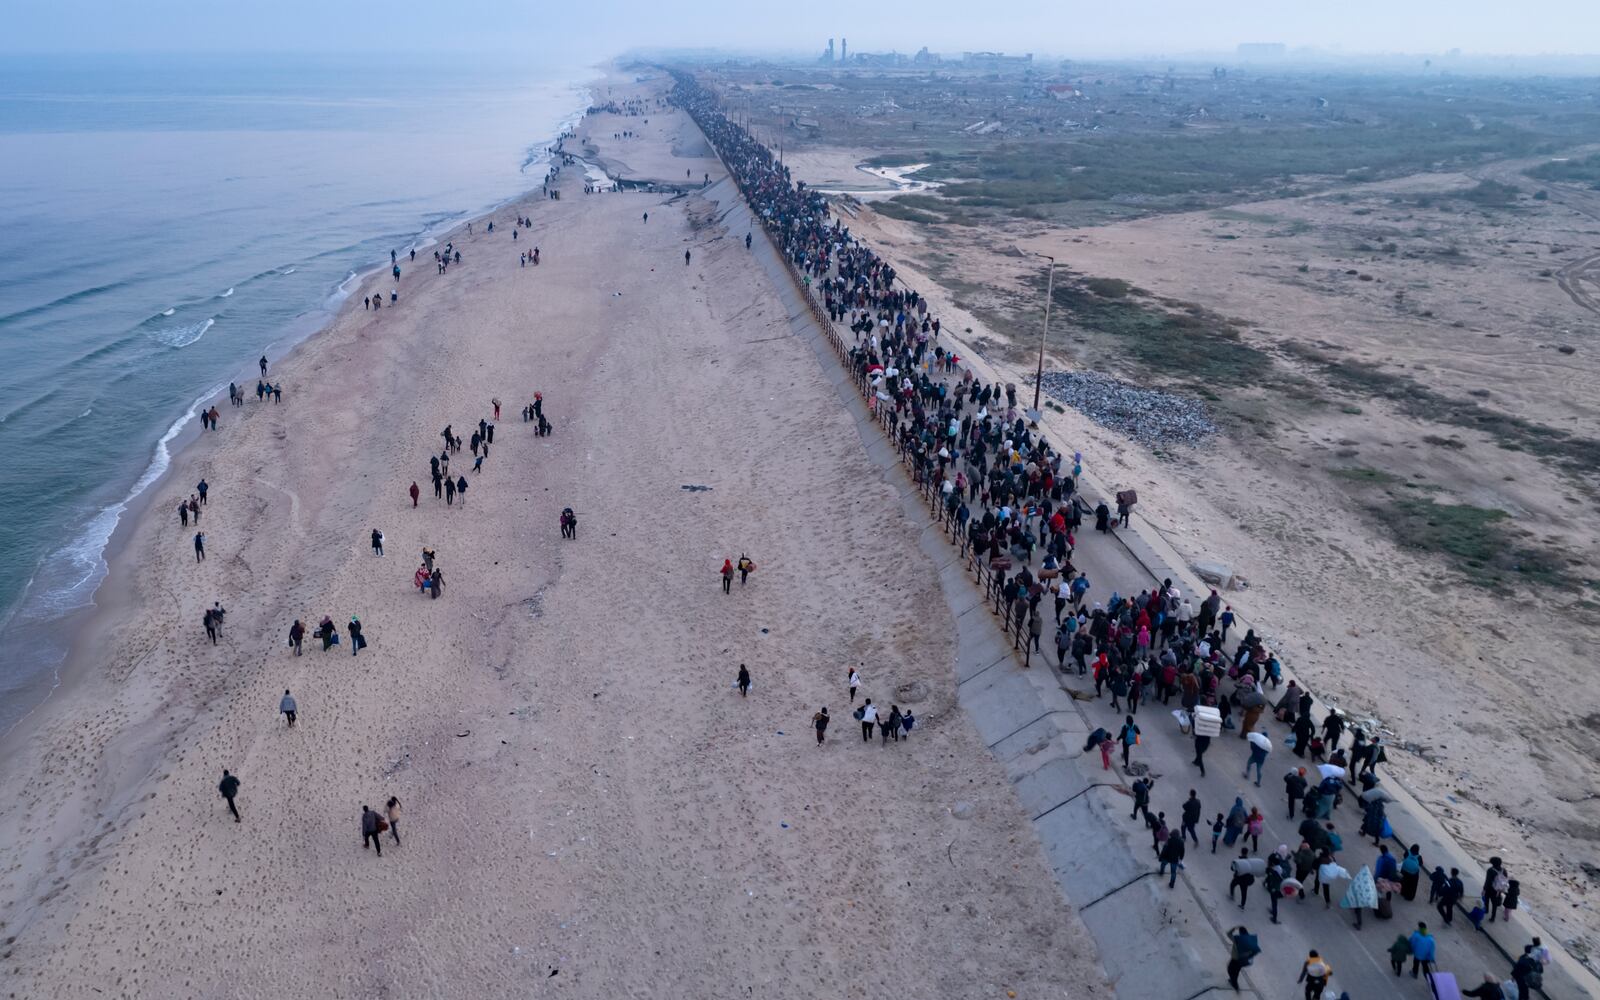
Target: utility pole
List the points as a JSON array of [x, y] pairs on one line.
[[1049, 293]]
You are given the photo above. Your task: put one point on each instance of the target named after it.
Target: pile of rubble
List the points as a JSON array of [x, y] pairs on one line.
[[1154, 419]]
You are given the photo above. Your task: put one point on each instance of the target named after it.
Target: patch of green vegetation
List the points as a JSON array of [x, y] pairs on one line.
[[1187, 344], [1584, 171], [1237, 215], [906, 159], [1169, 165], [1492, 194], [894, 209], [1576, 455], [1476, 540], [1361, 474], [1108, 288], [922, 202]]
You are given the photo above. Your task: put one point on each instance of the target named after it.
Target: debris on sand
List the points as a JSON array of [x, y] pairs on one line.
[[1154, 419]]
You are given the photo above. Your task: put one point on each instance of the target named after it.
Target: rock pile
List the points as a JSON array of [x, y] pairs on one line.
[[1154, 419]]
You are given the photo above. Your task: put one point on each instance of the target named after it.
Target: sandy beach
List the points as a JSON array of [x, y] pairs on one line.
[[589, 806]]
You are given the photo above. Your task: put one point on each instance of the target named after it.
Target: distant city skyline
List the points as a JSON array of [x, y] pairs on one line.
[[604, 27]]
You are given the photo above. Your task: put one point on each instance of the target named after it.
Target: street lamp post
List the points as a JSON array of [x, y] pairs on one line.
[[1049, 292]]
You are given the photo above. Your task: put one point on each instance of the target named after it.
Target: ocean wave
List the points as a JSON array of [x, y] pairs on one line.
[[225, 294], [46, 397], [184, 335], [291, 270], [169, 312], [76, 569], [65, 300]]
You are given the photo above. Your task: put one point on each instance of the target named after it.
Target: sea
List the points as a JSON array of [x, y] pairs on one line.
[[169, 220]]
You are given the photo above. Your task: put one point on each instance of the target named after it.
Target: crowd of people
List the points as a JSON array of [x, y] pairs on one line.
[[429, 578], [1012, 497]]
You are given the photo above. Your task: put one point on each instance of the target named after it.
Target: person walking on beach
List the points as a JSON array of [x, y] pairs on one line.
[[414, 492], [229, 787], [377, 542], [297, 634], [746, 567], [819, 722], [287, 706], [358, 642], [211, 626], [686, 258], [727, 576], [327, 632], [855, 684], [461, 488], [868, 714], [183, 513], [201, 487], [743, 682], [371, 828], [890, 728], [392, 809], [194, 509], [449, 491], [263, 366], [199, 546]]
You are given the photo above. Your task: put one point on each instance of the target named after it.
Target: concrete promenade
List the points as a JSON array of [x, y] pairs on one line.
[[1154, 941]]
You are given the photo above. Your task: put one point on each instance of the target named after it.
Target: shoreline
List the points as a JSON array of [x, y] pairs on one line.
[[87, 623], [114, 604]]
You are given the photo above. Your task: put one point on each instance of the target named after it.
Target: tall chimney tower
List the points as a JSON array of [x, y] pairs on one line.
[[844, 49]]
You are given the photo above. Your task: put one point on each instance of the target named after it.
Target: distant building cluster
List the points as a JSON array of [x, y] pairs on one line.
[[988, 62]]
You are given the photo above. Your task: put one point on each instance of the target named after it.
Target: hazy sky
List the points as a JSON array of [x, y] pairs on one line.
[[590, 29]]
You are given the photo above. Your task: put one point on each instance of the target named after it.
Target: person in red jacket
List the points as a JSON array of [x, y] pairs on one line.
[[414, 493], [727, 575]]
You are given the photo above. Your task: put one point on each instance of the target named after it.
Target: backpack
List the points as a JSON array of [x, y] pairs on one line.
[[861, 713], [1246, 947]]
